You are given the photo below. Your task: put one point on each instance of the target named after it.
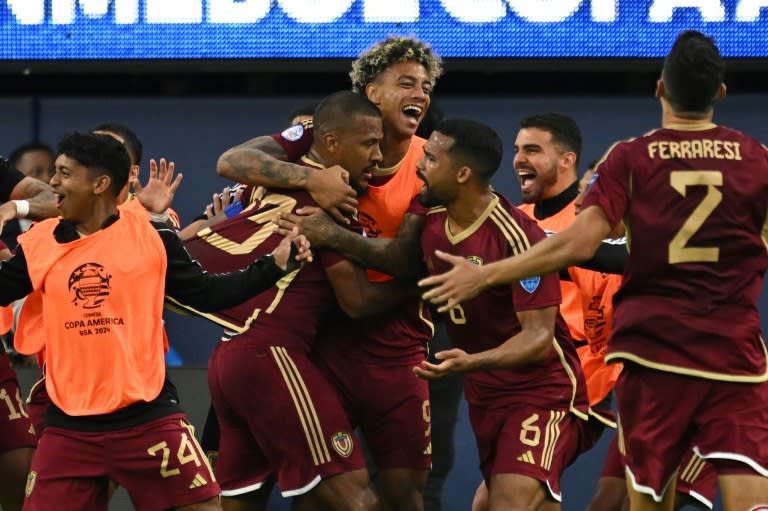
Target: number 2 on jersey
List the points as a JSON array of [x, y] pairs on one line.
[[680, 180]]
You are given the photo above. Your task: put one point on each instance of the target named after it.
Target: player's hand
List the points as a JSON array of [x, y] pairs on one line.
[[157, 195], [292, 252], [218, 204], [312, 222], [330, 189], [460, 283], [451, 362], [7, 212]]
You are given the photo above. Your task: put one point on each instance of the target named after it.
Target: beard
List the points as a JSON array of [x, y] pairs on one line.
[[360, 189], [429, 199]]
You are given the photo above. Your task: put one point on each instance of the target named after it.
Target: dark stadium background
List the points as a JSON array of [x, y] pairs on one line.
[[192, 112]]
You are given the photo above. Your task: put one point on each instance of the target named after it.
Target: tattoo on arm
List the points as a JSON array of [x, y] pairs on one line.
[[399, 257], [261, 161]]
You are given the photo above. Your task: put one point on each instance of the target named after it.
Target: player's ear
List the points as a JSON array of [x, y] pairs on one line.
[[372, 93], [331, 142], [463, 175], [722, 91], [101, 184], [568, 160], [659, 88]]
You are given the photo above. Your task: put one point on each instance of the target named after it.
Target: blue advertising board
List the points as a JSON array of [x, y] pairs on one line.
[[286, 29]]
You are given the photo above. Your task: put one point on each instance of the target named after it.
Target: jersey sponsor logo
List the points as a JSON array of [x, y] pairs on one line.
[[530, 284], [476, 260], [342, 443], [31, 478], [89, 284], [527, 457], [293, 133], [198, 482]]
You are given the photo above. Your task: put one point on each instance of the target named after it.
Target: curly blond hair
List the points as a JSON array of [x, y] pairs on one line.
[[393, 50]]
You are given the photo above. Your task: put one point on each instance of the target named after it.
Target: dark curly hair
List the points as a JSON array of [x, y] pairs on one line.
[[393, 50]]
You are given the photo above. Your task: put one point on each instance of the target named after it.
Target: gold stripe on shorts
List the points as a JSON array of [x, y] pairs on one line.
[[305, 408], [551, 435], [693, 469]]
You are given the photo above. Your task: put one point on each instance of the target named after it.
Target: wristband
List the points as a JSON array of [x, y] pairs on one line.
[[22, 208], [160, 217]]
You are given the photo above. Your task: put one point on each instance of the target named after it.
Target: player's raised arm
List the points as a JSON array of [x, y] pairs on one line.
[[399, 257], [464, 280], [262, 161]]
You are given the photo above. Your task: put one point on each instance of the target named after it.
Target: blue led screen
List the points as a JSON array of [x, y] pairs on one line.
[[284, 29]]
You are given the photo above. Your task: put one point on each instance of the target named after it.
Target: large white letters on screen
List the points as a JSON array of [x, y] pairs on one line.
[[178, 11], [749, 10], [544, 10], [604, 10], [479, 11], [63, 11], [662, 10], [125, 12], [398, 11], [232, 11], [28, 12], [315, 11]]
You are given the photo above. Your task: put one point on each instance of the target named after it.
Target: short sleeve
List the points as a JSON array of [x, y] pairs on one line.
[[295, 140], [609, 187]]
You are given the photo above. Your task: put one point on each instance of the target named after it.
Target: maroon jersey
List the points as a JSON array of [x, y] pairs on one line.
[[290, 312], [396, 337], [489, 319], [694, 201]]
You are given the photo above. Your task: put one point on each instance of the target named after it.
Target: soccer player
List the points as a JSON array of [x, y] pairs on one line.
[[522, 379], [114, 414], [694, 197], [373, 358], [547, 150], [28, 310], [297, 434]]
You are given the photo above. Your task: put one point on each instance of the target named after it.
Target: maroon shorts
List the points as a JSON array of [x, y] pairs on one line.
[[663, 415], [696, 478], [37, 403], [279, 419], [16, 430], [389, 404], [159, 463], [529, 441]]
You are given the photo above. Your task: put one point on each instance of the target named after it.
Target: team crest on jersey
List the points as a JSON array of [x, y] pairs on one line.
[[293, 133], [31, 478], [530, 284], [369, 225], [476, 260], [342, 443], [90, 285]]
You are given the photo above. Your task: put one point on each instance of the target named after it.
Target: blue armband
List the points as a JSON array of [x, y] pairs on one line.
[[233, 209]]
